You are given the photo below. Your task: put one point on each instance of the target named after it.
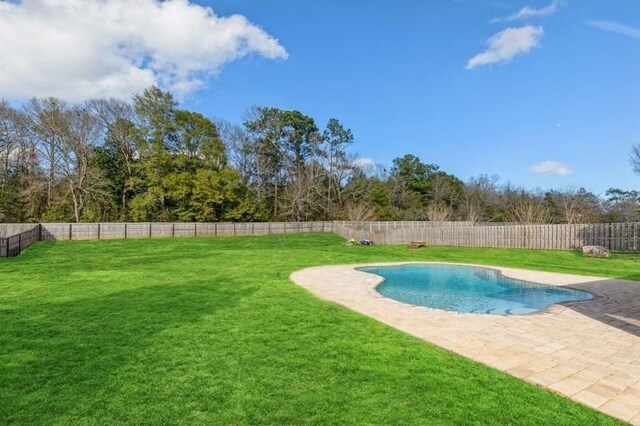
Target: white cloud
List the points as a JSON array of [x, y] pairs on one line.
[[365, 164], [615, 27], [78, 49], [506, 45], [551, 168], [529, 12]]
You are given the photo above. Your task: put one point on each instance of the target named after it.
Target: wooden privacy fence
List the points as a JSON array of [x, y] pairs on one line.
[[104, 231], [378, 226], [623, 237], [10, 229], [13, 245]]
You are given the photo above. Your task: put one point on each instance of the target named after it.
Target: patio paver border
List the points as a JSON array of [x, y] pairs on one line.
[[585, 350]]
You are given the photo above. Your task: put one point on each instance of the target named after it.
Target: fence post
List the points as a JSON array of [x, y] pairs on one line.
[[7, 240], [618, 237]]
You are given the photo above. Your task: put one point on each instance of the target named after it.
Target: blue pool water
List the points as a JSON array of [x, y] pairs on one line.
[[468, 289]]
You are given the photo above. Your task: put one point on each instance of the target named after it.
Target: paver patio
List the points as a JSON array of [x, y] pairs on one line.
[[588, 351]]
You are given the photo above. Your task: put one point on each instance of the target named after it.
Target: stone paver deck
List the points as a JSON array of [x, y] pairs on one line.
[[588, 351]]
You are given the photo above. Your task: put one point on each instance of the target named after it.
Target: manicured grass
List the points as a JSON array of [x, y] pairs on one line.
[[211, 330]]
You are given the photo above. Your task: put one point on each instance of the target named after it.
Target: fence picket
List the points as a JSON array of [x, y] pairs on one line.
[[616, 237], [624, 237]]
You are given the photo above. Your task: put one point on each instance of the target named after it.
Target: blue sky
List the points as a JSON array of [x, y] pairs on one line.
[[475, 86], [396, 76]]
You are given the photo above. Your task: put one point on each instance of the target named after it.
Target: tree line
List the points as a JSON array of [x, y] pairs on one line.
[[149, 160]]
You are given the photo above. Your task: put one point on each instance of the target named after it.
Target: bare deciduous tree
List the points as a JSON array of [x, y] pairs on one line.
[[82, 179], [359, 212], [478, 194], [48, 126], [8, 140], [117, 119], [338, 165], [577, 206], [439, 212], [529, 210], [240, 150], [302, 198]]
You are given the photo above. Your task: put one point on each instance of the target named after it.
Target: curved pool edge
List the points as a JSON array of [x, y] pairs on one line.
[[556, 279], [498, 270], [566, 349]]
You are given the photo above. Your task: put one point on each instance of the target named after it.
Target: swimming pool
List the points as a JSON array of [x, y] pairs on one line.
[[463, 288]]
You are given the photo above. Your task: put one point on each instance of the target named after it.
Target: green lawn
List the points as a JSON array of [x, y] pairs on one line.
[[211, 330]]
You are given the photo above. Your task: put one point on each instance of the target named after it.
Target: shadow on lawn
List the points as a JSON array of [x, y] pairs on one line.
[[619, 308], [51, 354]]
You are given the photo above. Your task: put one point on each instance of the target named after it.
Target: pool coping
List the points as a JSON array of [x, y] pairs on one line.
[[573, 348], [552, 309]]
